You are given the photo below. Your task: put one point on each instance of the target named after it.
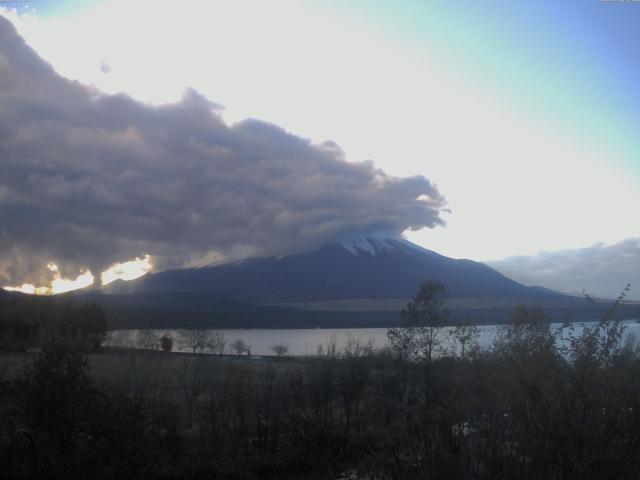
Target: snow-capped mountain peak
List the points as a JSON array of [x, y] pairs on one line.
[[373, 245]]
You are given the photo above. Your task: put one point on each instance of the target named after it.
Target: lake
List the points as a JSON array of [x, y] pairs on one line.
[[303, 342]]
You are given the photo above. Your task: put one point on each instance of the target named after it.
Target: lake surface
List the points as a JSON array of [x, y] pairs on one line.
[[303, 342]]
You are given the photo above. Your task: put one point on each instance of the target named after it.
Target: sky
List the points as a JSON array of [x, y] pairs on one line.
[[497, 131]]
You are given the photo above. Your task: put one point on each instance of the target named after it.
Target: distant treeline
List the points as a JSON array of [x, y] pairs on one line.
[[175, 310], [30, 321], [178, 310]]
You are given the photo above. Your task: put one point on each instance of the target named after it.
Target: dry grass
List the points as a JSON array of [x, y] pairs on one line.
[[149, 371]]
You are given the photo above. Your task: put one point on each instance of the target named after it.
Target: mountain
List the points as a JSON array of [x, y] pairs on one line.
[[360, 268], [361, 282]]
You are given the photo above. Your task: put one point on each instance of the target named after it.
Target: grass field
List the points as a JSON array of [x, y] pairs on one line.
[[144, 370]]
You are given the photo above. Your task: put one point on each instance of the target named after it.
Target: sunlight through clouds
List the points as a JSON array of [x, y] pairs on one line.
[[58, 284], [130, 270], [61, 285], [28, 288]]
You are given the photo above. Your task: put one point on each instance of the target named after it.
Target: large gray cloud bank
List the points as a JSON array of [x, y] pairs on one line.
[[600, 270], [88, 179]]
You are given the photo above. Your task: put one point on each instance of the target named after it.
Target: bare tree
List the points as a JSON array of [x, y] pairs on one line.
[[121, 338], [419, 335], [192, 380], [331, 349], [280, 350], [218, 343], [357, 347], [239, 346], [468, 336], [148, 340], [196, 340]]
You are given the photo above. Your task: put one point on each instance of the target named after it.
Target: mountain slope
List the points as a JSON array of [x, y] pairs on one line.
[[360, 268], [362, 282]]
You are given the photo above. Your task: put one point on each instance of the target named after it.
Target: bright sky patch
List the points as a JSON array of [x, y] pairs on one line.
[[130, 270]]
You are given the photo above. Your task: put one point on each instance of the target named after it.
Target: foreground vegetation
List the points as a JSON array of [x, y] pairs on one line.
[[30, 320], [528, 407]]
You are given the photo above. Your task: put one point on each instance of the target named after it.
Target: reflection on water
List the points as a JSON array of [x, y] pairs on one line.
[[300, 341]]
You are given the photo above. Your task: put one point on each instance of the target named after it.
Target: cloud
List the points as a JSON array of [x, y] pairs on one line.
[[601, 270], [89, 179]]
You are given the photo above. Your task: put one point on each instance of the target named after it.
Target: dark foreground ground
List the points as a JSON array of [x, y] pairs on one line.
[[523, 409]]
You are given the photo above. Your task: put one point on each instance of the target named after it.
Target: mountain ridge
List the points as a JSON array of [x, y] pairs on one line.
[[360, 282], [363, 267]]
